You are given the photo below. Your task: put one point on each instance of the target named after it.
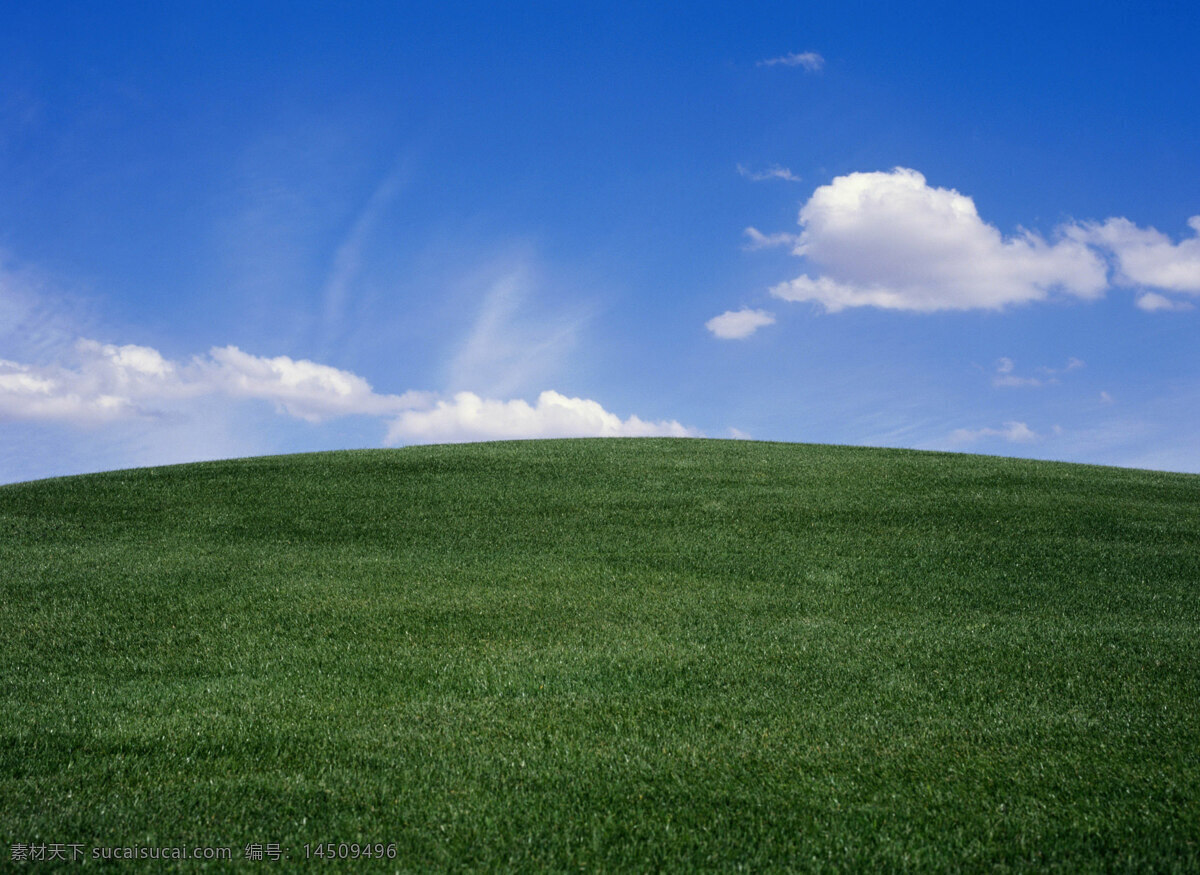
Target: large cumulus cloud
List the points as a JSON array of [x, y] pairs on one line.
[[891, 240], [107, 383]]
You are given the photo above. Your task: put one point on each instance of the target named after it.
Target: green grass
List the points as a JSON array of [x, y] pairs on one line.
[[609, 655]]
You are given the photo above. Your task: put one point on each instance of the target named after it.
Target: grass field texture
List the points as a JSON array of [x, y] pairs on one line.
[[608, 655]]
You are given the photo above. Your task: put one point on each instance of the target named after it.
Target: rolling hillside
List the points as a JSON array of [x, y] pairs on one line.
[[608, 654]]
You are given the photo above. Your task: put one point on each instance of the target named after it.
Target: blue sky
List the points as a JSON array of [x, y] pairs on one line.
[[245, 229]]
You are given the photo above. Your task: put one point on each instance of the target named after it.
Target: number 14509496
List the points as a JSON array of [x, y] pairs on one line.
[[349, 851]]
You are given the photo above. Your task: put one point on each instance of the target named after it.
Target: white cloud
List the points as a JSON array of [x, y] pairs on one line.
[[772, 172], [1014, 432], [301, 388], [511, 346], [1006, 377], [467, 417], [759, 240], [26, 394], [109, 382], [348, 257], [737, 434], [836, 296], [810, 61], [1147, 257], [1011, 381], [1153, 302], [890, 240], [740, 324], [1073, 364], [1105, 398], [37, 319]]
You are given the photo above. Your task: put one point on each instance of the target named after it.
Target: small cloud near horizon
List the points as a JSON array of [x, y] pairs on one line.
[[739, 324], [809, 61], [1153, 302], [108, 384], [1012, 431], [467, 417]]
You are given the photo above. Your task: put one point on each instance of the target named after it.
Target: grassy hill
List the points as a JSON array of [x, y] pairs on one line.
[[608, 654]]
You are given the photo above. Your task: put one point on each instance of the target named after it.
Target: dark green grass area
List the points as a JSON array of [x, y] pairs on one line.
[[609, 655]]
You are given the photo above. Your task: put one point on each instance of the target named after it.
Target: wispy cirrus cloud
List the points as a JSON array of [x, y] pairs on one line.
[[37, 319], [773, 172], [809, 61], [1012, 431], [1006, 377], [338, 290], [511, 345], [756, 239]]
